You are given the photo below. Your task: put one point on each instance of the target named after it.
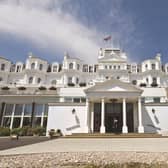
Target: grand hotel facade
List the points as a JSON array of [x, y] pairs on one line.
[[112, 96]]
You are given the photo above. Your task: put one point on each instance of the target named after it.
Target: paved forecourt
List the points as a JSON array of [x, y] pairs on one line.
[[83, 145]]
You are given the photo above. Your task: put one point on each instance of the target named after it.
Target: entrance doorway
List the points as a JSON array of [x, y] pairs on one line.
[[113, 117]]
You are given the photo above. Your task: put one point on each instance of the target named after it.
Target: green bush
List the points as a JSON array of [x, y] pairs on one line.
[[16, 131], [4, 131], [39, 131]]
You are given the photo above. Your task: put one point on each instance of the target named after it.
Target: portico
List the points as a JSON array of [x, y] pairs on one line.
[[110, 107]]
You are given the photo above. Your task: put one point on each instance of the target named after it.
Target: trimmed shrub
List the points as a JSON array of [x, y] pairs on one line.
[[154, 84], [16, 131], [4, 131], [142, 85], [39, 131]]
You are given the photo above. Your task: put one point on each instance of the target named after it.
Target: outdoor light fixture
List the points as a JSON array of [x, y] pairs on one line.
[[153, 111], [73, 111]]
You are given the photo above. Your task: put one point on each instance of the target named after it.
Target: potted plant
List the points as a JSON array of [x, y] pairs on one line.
[[51, 133], [52, 88], [5, 88], [21, 88], [42, 88]]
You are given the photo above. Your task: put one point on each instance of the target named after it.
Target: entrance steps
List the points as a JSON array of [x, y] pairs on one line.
[[113, 135]]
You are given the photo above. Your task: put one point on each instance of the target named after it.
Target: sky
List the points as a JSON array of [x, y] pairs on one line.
[[49, 28]]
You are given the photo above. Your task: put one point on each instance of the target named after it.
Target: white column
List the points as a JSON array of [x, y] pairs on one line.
[[140, 126], [21, 122], [12, 117], [86, 128], [124, 127], [42, 116], [92, 117], [102, 127]]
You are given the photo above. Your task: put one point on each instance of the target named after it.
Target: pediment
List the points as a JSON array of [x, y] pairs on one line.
[[113, 85], [112, 58]]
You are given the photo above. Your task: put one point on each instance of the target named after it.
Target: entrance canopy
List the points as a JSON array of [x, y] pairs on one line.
[[113, 88]]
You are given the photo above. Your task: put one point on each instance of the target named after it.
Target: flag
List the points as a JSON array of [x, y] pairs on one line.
[[107, 38]]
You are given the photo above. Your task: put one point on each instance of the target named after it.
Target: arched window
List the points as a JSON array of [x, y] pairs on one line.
[[41, 67], [78, 66], [71, 65], [39, 80], [55, 68], [53, 82], [30, 80], [153, 66], [33, 65]]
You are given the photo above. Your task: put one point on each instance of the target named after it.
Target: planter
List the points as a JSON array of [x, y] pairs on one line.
[[14, 136]]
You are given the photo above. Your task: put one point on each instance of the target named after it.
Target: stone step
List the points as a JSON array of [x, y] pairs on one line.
[[112, 135]]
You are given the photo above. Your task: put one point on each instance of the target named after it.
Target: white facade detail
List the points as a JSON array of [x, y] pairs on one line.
[[111, 96]]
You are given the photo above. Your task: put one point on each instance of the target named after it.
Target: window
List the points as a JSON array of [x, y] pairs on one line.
[[154, 80], [18, 109], [1, 79], [16, 122], [77, 80], [105, 66], [147, 80], [153, 66], [54, 68], [134, 82], [114, 66], [69, 79], [76, 100], [85, 68], [26, 121], [6, 121], [39, 80], [30, 80], [33, 66], [146, 66], [18, 68], [156, 99], [110, 66], [2, 67], [78, 66], [28, 110], [71, 66], [41, 67], [53, 82], [118, 66], [38, 110], [8, 109]]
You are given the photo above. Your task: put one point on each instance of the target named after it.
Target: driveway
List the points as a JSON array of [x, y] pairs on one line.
[[81, 145]]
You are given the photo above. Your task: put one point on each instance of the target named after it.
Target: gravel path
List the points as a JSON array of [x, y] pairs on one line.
[[79, 159]]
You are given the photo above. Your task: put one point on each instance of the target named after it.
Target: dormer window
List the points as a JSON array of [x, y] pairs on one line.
[[2, 67], [33, 66], [55, 68], [18, 68], [118, 66], [41, 67], [114, 66], [30, 80], [146, 66], [71, 66], [153, 66]]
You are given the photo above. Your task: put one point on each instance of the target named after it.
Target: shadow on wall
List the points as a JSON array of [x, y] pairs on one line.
[[77, 125], [150, 122]]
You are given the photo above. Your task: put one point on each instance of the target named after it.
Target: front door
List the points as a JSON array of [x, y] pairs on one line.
[[113, 117]]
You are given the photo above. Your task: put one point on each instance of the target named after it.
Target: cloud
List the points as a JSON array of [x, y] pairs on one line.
[[48, 28], [75, 26]]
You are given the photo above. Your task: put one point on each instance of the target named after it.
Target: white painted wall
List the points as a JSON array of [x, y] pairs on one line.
[[61, 117], [155, 122]]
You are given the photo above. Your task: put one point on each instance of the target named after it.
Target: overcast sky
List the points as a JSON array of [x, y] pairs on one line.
[[49, 28]]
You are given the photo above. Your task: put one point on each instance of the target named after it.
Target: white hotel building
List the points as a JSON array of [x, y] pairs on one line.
[[111, 96]]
